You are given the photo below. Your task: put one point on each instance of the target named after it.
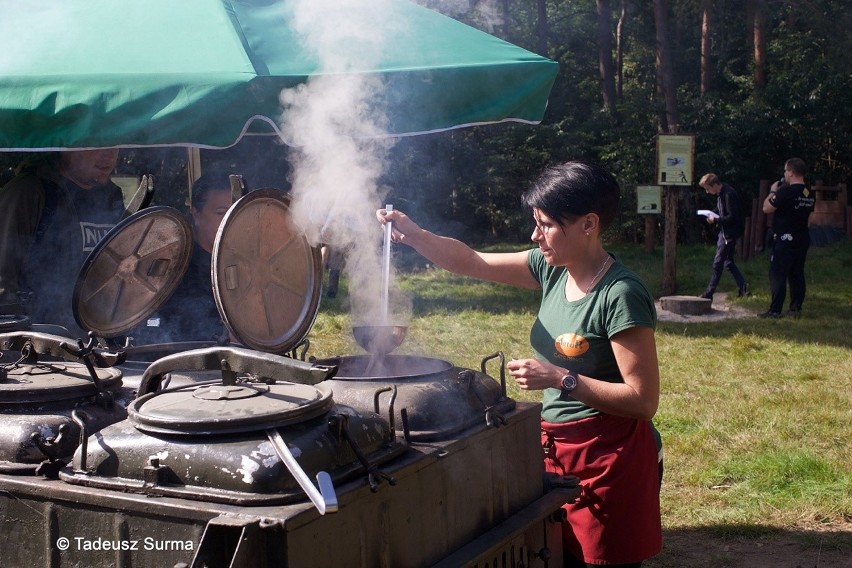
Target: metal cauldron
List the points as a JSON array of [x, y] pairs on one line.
[[428, 398]]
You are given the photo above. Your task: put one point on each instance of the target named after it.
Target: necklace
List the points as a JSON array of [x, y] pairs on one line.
[[595, 279]]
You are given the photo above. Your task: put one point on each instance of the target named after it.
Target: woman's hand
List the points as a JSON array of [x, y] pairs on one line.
[[402, 226], [532, 374], [453, 255]]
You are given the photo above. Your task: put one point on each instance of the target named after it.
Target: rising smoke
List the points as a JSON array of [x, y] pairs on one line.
[[485, 14], [336, 122]]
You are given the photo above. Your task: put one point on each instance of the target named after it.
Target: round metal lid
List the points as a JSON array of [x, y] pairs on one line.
[[54, 381], [11, 322], [132, 271], [220, 408], [266, 276]]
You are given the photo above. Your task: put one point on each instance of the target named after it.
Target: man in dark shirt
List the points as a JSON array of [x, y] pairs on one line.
[[51, 217], [731, 225], [791, 203]]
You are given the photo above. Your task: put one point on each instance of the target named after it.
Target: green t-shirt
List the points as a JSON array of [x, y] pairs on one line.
[[576, 335]]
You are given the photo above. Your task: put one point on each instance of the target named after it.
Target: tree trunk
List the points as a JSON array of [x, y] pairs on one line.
[[759, 44], [669, 283], [542, 27], [706, 45], [664, 65], [619, 48], [605, 58], [667, 84], [749, 15]]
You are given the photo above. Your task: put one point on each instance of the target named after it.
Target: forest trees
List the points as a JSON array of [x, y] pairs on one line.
[[757, 82]]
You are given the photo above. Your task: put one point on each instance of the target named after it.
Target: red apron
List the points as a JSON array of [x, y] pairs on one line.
[[616, 518]]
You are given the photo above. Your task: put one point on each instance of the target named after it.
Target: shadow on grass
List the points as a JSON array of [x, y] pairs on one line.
[[753, 546], [824, 320]]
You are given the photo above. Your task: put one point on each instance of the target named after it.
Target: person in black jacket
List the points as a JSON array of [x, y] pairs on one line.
[[791, 202], [52, 214], [731, 225]]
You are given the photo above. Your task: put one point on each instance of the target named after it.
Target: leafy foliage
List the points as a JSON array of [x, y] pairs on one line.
[[743, 133], [467, 183]]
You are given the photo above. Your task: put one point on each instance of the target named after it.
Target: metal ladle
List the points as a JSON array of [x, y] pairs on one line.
[[379, 340]]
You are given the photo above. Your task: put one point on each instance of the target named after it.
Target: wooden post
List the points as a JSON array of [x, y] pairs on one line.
[[744, 246], [756, 231], [650, 226], [849, 221], [669, 283], [762, 219]]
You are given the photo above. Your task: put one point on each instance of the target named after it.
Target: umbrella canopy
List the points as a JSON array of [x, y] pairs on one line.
[[101, 73]]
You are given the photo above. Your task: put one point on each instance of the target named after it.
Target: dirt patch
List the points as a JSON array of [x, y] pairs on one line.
[[796, 548], [722, 309]]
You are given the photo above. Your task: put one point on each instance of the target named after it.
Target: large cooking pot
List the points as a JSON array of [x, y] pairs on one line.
[[52, 391], [251, 437], [430, 399]]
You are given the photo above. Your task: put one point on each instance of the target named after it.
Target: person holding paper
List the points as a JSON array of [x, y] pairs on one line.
[[729, 216]]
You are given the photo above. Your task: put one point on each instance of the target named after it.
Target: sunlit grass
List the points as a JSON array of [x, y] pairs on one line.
[[756, 415]]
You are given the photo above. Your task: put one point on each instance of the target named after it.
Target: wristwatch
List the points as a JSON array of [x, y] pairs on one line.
[[569, 382]]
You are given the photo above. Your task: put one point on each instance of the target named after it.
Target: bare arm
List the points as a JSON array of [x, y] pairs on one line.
[[638, 396], [453, 255]]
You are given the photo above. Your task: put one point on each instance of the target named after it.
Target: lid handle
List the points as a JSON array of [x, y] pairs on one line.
[[324, 498], [235, 360], [37, 343]]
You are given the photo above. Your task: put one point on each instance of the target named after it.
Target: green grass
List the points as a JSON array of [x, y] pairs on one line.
[[756, 415]]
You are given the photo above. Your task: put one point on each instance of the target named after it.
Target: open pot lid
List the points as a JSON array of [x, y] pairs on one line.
[[266, 276], [222, 408], [132, 271]]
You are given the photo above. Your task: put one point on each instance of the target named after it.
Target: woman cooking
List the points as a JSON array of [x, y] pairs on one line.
[[596, 358]]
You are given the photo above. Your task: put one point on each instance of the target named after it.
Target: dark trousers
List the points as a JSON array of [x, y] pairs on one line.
[[787, 263], [724, 260]]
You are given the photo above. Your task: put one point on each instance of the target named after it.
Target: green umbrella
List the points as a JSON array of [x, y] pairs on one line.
[[98, 73]]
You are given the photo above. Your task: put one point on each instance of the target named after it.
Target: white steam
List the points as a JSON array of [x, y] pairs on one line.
[[336, 122], [485, 14]]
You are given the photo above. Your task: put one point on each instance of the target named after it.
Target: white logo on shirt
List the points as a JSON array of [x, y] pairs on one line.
[[92, 234]]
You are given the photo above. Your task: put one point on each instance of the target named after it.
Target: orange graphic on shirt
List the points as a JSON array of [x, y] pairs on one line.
[[571, 344]]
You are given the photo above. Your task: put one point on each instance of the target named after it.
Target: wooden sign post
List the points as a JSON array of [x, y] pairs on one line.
[[649, 205], [675, 160]]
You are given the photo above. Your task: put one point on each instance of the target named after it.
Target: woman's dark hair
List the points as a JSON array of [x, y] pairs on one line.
[[210, 181], [573, 189]]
